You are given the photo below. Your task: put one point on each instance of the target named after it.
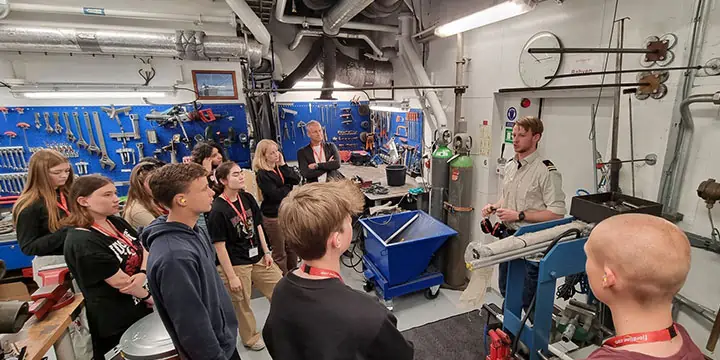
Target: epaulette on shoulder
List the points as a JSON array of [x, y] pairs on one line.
[[550, 166]]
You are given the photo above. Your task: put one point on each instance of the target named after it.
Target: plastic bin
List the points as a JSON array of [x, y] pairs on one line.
[[395, 175], [409, 255]]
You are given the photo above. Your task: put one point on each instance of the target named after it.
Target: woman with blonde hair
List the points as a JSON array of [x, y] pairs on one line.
[[40, 207], [275, 180], [140, 208]]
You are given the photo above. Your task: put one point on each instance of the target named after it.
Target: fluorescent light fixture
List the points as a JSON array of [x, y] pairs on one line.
[[387, 108], [89, 91], [311, 84], [499, 12]]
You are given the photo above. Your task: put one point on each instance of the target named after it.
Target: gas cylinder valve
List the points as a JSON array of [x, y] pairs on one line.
[[709, 191]]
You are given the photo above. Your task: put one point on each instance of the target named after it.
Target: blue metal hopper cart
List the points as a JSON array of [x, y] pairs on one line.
[[398, 250]]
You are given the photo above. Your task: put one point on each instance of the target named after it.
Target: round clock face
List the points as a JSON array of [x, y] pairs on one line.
[[535, 67]]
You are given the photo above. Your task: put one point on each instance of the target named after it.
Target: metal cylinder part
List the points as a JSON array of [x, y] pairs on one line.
[[13, 315], [460, 196], [342, 13]]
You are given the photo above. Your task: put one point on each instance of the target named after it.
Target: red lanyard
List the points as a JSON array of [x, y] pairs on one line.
[[243, 215], [320, 272], [642, 338], [279, 173], [62, 204], [116, 235], [319, 155]]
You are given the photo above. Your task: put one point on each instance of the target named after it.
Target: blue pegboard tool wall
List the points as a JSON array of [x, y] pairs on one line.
[[330, 115], [233, 115]]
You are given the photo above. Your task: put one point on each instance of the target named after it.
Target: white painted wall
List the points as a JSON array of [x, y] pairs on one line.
[[494, 52]]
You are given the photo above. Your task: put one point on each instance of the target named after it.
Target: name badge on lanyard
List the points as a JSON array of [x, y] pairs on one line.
[[246, 223]]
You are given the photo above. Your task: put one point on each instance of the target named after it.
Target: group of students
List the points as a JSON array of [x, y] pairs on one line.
[[191, 243]]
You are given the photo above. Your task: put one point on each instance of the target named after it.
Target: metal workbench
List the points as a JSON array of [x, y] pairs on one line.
[[377, 175]]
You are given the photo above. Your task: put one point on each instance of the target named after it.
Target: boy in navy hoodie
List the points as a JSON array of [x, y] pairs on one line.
[[189, 295]]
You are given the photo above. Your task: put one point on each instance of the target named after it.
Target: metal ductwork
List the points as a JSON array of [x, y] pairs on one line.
[[341, 14], [361, 73], [382, 8], [417, 73], [306, 65], [378, 54], [307, 21], [187, 45]]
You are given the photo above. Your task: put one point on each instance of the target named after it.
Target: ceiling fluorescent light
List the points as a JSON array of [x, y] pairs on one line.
[[89, 92], [309, 84], [493, 14], [92, 95]]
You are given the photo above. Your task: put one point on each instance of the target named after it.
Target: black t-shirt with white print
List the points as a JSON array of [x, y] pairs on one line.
[[93, 257], [240, 237]]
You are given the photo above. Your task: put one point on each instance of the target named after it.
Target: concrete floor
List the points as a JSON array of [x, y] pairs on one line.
[[411, 311]]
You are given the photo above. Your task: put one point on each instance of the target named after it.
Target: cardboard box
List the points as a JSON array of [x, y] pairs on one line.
[[14, 291]]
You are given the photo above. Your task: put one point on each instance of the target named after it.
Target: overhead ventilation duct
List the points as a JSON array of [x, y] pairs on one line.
[[187, 45], [308, 21], [7, 7], [382, 8], [319, 5], [329, 67], [341, 14], [378, 54], [261, 34], [417, 73], [306, 65], [361, 73]]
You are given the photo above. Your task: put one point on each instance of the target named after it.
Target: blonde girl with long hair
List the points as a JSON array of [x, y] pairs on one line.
[[41, 206], [275, 180]]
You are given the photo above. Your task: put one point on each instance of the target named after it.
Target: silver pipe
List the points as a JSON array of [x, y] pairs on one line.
[[181, 44], [593, 141], [345, 35], [675, 158], [615, 133], [408, 51], [459, 62], [701, 310], [306, 21], [632, 142], [559, 353], [341, 14]]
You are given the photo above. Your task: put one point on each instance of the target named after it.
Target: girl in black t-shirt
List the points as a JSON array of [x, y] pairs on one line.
[[40, 207], [107, 260]]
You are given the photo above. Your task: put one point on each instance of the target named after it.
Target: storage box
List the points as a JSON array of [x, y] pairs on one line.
[[598, 207]]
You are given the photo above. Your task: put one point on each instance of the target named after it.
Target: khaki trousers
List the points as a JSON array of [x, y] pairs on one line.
[[264, 279], [286, 259]]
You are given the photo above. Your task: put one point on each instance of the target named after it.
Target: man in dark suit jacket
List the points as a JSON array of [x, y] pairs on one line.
[[319, 160]]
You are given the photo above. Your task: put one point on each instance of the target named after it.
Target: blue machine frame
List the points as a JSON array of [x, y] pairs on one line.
[[566, 258]]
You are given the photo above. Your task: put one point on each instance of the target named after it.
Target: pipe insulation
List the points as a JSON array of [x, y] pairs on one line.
[[476, 250], [341, 14], [415, 66], [7, 7], [183, 44], [361, 73], [307, 21]]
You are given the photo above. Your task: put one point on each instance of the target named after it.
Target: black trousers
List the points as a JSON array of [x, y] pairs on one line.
[[235, 356], [101, 345]]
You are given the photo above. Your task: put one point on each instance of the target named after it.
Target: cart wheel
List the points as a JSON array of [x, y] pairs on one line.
[[368, 286], [430, 294]]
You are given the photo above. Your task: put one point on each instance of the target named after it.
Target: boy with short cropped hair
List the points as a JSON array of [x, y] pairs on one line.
[[189, 294], [314, 315]]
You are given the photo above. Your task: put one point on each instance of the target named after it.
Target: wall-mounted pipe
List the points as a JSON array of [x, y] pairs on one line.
[[118, 13], [4, 9], [306, 21], [413, 60], [674, 177], [189, 45], [341, 14], [344, 35]]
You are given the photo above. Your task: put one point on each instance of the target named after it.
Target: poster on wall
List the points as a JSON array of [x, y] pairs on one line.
[[215, 84]]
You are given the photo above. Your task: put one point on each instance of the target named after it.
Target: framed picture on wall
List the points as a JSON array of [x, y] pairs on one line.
[[215, 84]]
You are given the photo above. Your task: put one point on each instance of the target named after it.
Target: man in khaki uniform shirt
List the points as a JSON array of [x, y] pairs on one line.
[[532, 192]]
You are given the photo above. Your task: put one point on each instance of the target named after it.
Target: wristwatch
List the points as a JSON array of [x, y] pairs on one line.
[[521, 216]]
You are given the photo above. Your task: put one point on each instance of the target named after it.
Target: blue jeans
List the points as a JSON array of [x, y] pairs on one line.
[[530, 284]]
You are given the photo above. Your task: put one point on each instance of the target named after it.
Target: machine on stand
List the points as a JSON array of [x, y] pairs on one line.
[[562, 244]]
